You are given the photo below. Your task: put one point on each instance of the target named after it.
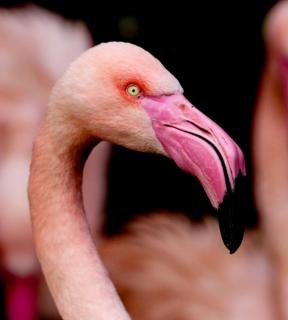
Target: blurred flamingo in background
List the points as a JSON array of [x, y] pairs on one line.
[[270, 152], [36, 46], [166, 267]]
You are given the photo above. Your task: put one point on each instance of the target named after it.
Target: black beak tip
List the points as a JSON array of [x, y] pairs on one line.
[[232, 232], [230, 217], [234, 244]]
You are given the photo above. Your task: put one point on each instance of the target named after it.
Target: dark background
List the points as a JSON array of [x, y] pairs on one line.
[[215, 49]]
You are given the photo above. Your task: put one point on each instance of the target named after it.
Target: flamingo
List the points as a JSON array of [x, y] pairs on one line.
[[120, 93], [29, 67]]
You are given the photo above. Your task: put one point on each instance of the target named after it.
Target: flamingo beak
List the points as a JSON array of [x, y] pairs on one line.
[[200, 147]]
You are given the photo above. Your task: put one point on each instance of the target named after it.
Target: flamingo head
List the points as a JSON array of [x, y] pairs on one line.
[[130, 99]]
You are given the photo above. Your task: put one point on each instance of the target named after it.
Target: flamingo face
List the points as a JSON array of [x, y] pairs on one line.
[[140, 105]]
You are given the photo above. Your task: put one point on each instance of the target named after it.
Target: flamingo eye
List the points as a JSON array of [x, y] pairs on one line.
[[133, 90]]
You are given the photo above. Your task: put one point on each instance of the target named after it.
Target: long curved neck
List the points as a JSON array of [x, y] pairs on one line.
[[70, 262]]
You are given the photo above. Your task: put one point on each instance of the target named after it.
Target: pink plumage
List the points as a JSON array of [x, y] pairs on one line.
[[90, 103]]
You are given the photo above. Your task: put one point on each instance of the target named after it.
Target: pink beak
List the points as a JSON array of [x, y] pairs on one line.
[[200, 147]]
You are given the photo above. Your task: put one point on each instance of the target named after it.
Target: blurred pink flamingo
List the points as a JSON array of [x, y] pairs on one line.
[[36, 47], [270, 152]]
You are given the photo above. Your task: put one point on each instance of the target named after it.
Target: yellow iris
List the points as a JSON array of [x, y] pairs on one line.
[[133, 90]]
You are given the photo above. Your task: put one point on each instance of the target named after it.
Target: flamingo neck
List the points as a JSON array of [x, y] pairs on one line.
[[70, 262]]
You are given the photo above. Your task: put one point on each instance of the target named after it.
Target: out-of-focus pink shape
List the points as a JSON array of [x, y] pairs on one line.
[[166, 267], [270, 152], [22, 292], [36, 46]]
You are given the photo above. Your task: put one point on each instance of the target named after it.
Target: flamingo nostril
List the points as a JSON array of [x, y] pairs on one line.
[[182, 106], [185, 106]]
